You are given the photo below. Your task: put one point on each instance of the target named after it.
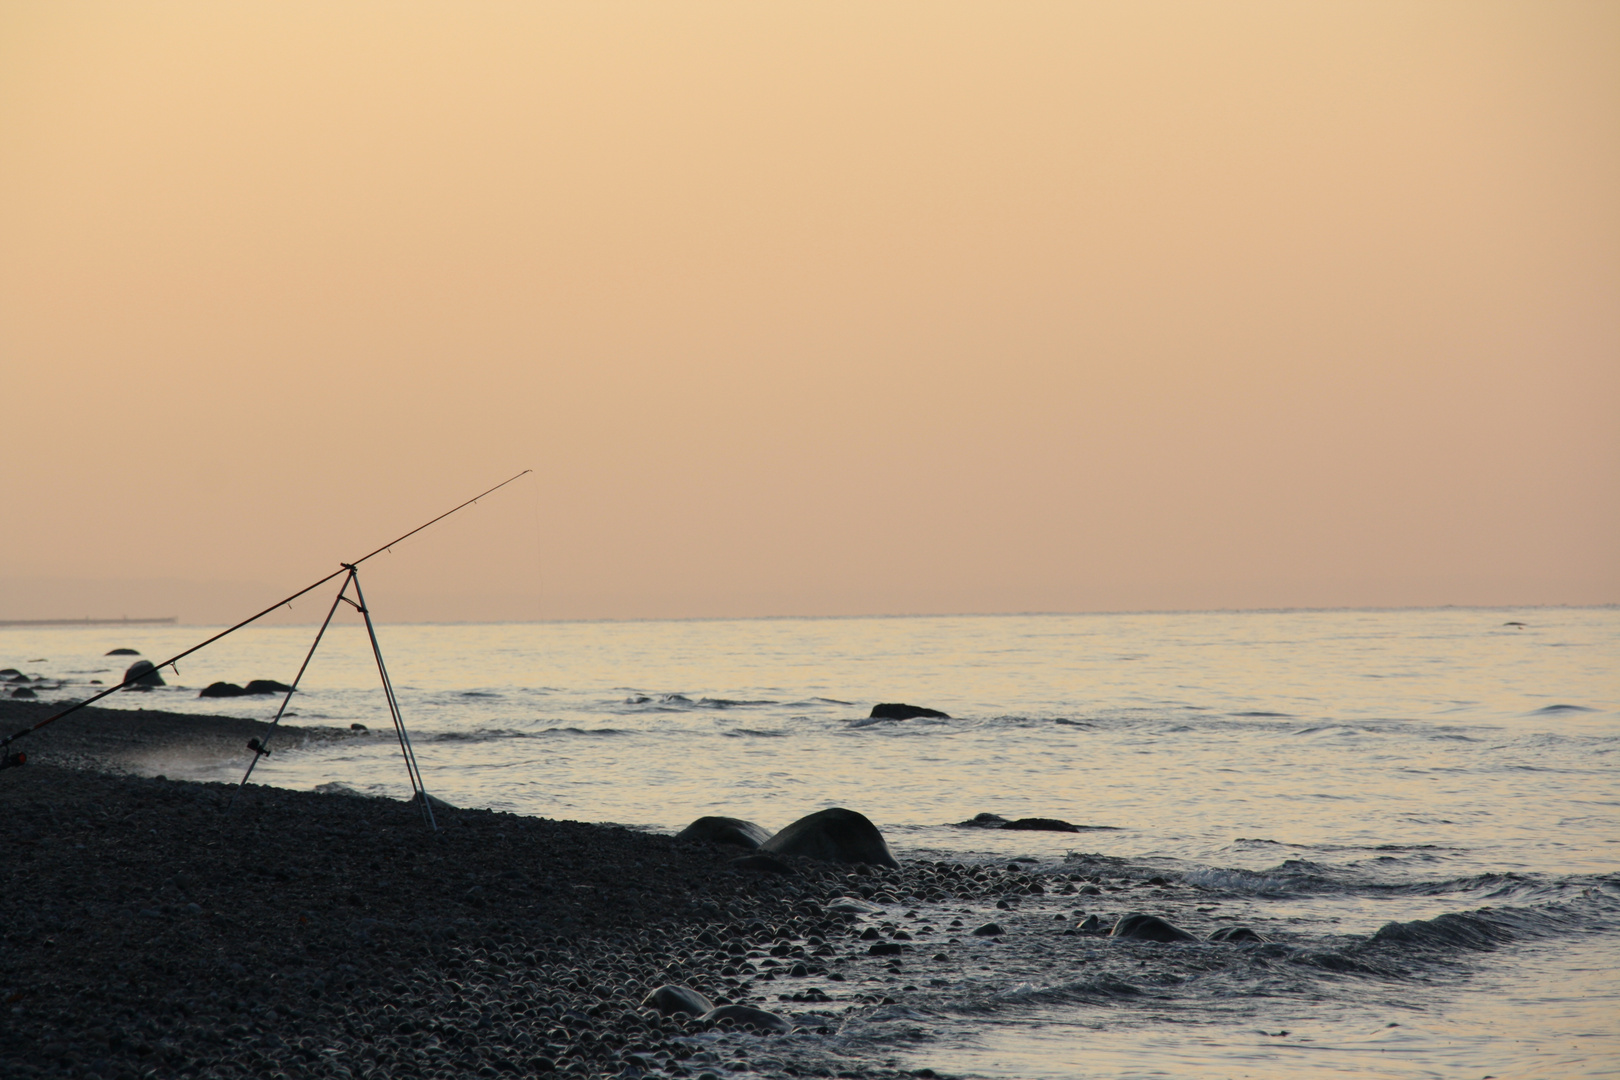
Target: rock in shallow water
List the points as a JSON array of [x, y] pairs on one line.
[[725, 830], [672, 1000], [746, 1014], [898, 711], [1241, 935], [221, 689], [833, 835], [1138, 927], [1041, 824], [143, 673]]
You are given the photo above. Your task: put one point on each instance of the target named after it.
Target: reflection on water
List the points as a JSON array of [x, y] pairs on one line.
[[1314, 774]]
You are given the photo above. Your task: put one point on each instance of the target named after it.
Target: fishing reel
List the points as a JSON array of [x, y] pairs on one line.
[[259, 749], [12, 761]]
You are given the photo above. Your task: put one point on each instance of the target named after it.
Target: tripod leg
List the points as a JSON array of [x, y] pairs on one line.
[[393, 708], [260, 749]]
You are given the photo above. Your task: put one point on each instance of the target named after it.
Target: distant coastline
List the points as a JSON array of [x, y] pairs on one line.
[[165, 620]]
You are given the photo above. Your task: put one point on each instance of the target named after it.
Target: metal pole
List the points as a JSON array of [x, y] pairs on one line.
[[393, 705]]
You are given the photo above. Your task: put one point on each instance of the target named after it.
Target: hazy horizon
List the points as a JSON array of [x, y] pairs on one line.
[[833, 310]]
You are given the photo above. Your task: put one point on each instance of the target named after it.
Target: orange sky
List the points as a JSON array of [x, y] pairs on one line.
[[804, 309]]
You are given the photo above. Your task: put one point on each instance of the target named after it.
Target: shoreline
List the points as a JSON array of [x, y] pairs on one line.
[[147, 933], [138, 740]]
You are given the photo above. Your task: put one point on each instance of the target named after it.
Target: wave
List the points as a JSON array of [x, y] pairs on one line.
[[494, 734], [669, 702]]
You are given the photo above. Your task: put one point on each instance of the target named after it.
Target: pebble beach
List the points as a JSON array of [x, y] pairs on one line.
[[149, 931]]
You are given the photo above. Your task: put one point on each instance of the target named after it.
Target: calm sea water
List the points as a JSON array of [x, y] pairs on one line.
[[1316, 774]]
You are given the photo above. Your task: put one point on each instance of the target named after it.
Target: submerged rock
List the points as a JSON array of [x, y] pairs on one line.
[[1041, 824], [725, 830], [670, 999], [747, 1014], [983, 821], [1139, 927], [898, 711], [833, 835], [23, 692], [122, 652], [266, 686], [143, 673], [1241, 935]]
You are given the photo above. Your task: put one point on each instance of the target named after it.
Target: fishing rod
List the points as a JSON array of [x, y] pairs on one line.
[[11, 759]]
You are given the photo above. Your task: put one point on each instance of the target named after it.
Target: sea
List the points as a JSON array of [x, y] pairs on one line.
[[1419, 809]]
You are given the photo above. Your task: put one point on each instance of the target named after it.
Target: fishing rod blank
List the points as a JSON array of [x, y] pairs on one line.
[[127, 682]]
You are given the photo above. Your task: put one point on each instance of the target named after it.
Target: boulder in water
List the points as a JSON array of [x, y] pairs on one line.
[[725, 830], [1041, 824], [983, 821], [747, 1014], [23, 692], [123, 652], [265, 686], [670, 1000], [1148, 928], [833, 835], [143, 673], [898, 711], [1240, 935], [221, 689]]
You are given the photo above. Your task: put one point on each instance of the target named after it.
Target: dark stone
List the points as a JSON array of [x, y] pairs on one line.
[[123, 652], [885, 948], [221, 689], [745, 1014], [989, 929], [983, 821], [1148, 928], [358, 727], [1240, 935], [1092, 925], [725, 830], [23, 692], [143, 673], [672, 1000], [266, 686], [897, 711], [1041, 824], [833, 835], [763, 864]]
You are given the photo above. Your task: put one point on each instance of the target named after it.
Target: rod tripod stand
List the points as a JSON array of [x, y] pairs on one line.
[[261, 748]]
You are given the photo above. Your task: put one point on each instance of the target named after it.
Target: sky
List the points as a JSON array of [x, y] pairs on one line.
[[808, 309]]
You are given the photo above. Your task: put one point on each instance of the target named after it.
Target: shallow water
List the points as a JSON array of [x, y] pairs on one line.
[[1312, 774]]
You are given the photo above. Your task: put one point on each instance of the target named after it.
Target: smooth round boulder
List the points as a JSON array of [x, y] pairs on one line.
[[833, 835], [265, 686], [747, 1014], [731, 831], [143, 673], [221, 689], [895, 710], [123, 652], [670, 999], [1148, 928], [1239, 935]]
